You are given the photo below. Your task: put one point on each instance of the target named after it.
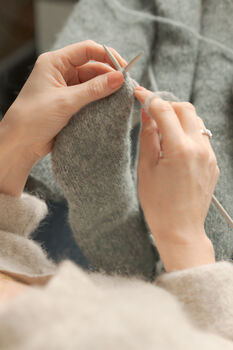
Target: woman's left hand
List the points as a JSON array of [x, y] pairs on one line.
[[175, 190], [61, 83]]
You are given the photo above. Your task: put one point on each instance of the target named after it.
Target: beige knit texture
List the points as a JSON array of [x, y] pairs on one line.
[[189, 309], [19, 256], [21, 215]]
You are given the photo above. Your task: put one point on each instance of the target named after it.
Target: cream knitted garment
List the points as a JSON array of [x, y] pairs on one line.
[[190, 309]]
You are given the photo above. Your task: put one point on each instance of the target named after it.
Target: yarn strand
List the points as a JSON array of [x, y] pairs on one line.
[[171, 22]]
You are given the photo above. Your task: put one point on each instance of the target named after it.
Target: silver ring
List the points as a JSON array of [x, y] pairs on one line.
[[207, 132]]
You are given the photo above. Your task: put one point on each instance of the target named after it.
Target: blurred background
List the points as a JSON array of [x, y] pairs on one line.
[[27, 28]]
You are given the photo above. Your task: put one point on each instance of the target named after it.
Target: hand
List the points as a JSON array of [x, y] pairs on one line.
[[61, 83], [175, 191]]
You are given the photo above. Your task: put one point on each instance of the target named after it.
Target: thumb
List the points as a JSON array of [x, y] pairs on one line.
[[95, 89], [149, 142]]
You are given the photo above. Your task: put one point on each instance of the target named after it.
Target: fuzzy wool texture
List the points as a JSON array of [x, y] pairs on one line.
[[213, 98], [80, 311], [210, 285], [41, 181], [176, 61], [92, 165], [175, 51], [74, 309], [19, 256], [36, 210]]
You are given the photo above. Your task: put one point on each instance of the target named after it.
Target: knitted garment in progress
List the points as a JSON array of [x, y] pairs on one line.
[[190, 67], [67, 308]]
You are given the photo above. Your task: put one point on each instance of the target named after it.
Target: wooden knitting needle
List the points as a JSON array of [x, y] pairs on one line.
[[132, 62], [117, 64], [112, 58]]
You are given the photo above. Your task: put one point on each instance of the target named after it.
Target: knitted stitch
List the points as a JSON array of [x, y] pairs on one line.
[[91, 163]]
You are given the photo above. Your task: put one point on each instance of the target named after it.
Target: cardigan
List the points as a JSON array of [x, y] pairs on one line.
[[64, 307]]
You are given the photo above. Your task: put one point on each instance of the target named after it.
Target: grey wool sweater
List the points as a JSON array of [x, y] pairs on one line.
[[177, 59], [66, 308]]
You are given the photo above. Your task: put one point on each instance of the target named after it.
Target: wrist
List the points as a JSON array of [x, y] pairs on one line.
[[15, 161], [181, 255]]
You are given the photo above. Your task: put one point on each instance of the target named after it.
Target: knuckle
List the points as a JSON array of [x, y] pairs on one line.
[[95, 88], [148, 129], [188, 105], [89, 44], [213, 160], [160, 106], [184, 151], [202, 154], [179, 106], [43, 57], [217, 171]]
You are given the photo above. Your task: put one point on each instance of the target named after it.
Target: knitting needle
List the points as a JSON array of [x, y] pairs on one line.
[[116, 63], [132, 62], [112, 58], [222, 211]]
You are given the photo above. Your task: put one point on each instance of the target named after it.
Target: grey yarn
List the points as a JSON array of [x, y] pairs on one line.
[[165, 95], [42, 183], [91, 163], [186, 14]]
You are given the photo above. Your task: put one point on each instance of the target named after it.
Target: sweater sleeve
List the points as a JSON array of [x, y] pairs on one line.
[[21, 257], [21, 215], [206, 293]]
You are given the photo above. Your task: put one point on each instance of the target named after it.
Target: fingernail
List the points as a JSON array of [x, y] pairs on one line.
[[138, 88], [115, 79]]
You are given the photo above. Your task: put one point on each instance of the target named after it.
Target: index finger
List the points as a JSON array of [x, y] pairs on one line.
[[84, 51], [165, 117]]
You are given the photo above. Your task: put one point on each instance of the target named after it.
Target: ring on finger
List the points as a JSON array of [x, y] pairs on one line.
[[206, 132]]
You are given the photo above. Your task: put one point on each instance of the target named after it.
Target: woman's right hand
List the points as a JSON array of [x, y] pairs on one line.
[[175, 190], [61, 83]]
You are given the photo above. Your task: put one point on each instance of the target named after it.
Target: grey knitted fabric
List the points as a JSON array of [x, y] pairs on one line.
[[91, 163], [175, 51], [41, 181], [213, 99]]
